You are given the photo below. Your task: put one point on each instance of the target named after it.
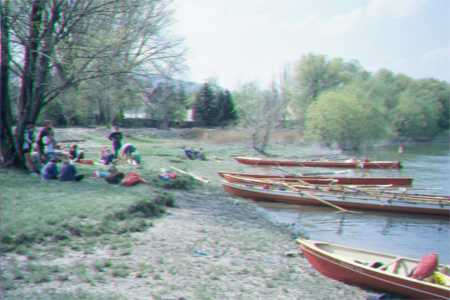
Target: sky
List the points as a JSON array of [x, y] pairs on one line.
[[237, 41]]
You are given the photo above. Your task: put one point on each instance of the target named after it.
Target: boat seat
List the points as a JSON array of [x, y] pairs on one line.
[[376, 264]]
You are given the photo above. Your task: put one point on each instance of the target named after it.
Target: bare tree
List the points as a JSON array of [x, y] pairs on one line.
[[260, 110], [268, 117], [166, 102]]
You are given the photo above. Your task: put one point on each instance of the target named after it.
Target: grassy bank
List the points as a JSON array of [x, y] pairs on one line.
[[93, 240]]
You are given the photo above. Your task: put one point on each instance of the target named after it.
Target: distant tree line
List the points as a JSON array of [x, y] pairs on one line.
[[339, 103]]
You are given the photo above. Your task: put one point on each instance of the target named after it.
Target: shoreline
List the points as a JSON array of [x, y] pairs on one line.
[[211, 246]]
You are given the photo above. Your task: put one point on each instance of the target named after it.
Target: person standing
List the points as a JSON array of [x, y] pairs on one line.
[[43, 132], [27, 148], [116, 138]]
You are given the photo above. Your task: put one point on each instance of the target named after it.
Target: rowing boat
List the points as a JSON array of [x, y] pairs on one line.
[[348, 164], [348, 200], [382, 272], [393, 181]]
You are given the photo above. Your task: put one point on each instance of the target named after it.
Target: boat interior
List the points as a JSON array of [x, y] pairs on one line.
[[393, 264]]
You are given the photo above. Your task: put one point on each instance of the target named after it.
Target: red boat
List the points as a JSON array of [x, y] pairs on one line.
[[393, 181], [401, 203], [383, 272], [348, 164]]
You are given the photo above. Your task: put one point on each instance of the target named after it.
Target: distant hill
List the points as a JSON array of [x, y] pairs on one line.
[[152, 80]]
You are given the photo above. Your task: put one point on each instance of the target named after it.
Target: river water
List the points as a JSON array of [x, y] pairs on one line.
[[400, 234]]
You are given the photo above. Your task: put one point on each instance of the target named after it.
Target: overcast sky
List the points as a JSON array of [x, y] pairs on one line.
[[244, 40]]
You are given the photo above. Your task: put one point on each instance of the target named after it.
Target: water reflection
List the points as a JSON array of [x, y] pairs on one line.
[[406, 235]]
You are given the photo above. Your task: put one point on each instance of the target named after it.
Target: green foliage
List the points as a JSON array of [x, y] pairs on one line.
[[205, 106], [248, 101], [384, 90], [343, 118], [226, 106], [411, 108], [314, 74], [417, 114]]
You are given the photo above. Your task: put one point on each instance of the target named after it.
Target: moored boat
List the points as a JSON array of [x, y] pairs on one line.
[[346, 200], [348, 164], [382, 272], [393, 181]]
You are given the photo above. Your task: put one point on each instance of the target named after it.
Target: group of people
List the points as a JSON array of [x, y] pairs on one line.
[[42, 155], [193, 154], [127, 151]]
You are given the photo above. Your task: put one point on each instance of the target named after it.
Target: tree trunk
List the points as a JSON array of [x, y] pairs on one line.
[[6, 136]]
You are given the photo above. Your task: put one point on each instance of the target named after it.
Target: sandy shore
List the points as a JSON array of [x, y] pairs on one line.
[[210, 247]]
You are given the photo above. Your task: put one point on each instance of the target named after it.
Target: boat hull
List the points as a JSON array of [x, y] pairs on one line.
[[367, 277], [358, 164], [301, 199], [394, 181]]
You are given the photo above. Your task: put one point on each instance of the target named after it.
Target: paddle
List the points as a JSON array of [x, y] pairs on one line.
[[385, 194], [310, 195], [393, 196], [190, 174]]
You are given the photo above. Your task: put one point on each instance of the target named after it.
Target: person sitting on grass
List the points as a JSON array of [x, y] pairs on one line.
[[189, 153], [50, 170], [69, 172], [114, 177], [74, 153], [192, 154], [199, 154], [106, 157]]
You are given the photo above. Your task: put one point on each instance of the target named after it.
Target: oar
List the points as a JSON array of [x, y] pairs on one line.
[[389, 195], [190, 174], [312, 196]]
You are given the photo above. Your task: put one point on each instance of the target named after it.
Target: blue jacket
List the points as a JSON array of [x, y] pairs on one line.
[[50, 171], [68, 172]]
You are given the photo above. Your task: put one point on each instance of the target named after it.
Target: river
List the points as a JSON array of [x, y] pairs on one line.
[[400, 234]]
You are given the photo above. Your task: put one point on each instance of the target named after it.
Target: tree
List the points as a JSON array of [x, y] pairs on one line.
[[260, 110], [166, 102], [67, 43], [6, 136], [345, 118], [418, 113], [205, 106], [314, 74], [227, 112]]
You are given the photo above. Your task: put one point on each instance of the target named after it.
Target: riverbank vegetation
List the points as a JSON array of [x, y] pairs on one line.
[[340, 103]]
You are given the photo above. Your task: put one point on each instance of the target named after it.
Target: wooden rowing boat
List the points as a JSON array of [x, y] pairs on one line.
[[348, 164], [383, 272], [393, 181], [358, 201]]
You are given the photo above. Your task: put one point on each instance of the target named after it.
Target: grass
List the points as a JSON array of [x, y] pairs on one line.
[[48, 219], [36, 212]]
